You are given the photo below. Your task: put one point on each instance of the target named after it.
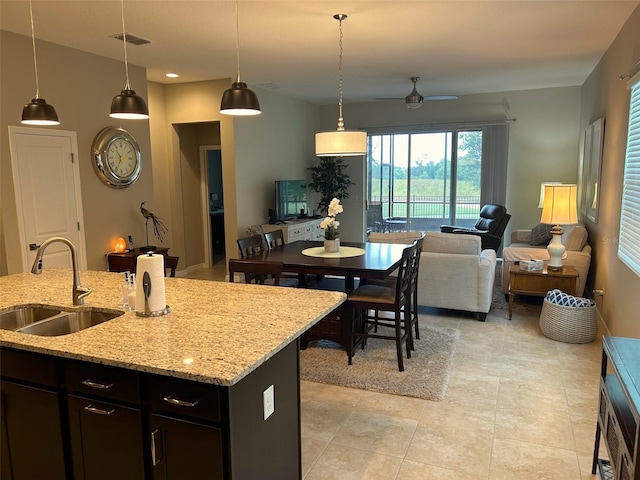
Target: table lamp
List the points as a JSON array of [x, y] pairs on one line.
[[559, 209], [542, 186]]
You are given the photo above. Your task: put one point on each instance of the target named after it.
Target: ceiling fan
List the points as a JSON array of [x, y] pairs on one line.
[[414, 99]]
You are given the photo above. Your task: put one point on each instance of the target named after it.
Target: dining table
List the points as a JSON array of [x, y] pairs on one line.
[[353, 261]]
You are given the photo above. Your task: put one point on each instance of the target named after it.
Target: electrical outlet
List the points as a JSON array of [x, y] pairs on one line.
[[268, 402]]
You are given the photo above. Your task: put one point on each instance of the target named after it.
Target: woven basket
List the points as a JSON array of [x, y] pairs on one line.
[[569, 324]]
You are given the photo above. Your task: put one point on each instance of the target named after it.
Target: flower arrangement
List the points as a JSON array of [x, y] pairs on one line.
[[330, 224]]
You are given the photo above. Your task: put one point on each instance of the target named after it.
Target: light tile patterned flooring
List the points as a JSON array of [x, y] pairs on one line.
[[519, 407]]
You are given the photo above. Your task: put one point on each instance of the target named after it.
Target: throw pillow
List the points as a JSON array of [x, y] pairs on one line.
[[541, 234], [574, 237], [560, 298]]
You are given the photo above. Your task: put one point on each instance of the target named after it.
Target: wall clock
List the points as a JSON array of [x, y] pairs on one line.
[[116, 157]]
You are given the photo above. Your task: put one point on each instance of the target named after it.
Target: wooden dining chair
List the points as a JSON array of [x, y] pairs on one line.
[[171, 264], [382, 298], [251, 245], [256, 271], [274, 239]]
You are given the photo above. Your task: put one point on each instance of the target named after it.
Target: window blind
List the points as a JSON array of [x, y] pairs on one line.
[[629, 239]]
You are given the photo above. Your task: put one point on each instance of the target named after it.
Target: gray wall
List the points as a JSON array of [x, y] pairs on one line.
[[543, 143], [604, 95], [80, 86]]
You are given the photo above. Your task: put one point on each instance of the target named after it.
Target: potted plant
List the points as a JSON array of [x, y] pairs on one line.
[[330, 179]]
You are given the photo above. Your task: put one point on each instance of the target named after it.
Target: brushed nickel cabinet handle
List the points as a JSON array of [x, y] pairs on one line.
[[182, 403], [99, 411], [102, 386], [155, 459]]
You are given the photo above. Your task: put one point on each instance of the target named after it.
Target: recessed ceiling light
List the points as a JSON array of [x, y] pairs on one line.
[[171, 75]]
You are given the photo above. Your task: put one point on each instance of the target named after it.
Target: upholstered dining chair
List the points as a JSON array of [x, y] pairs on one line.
[[386, 299], [417, 238], [256, 271], [251, 245]]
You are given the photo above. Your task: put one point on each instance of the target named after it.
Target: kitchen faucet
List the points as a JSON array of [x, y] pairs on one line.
[[78, 292]]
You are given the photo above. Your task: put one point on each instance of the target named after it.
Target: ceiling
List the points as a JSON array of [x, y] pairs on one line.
[[454, 46]]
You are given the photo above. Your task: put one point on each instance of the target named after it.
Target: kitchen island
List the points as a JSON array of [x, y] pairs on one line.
[[193, 382]]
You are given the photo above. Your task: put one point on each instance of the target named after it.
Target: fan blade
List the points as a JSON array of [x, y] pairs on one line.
[[440, 97]]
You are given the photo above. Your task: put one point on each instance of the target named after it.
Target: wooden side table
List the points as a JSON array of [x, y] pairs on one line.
[[126, 261], [539, 282]]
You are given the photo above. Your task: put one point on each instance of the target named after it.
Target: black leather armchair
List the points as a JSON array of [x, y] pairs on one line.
[[489, 227]]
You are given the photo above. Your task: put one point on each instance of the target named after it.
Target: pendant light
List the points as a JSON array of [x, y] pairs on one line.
[[341, 142], [38, 111], [128, 105], [239, 99]]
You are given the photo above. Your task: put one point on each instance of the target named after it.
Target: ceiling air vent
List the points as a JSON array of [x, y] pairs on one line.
[[135, 40]]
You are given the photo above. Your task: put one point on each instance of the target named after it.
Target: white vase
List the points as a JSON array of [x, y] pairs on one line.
[[332, 246]]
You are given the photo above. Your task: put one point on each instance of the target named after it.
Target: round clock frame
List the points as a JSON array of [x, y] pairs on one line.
[[110, 147]]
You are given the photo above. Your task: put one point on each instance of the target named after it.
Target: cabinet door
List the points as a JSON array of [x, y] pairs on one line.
[[31, 433], [106, 440], [181, 449]]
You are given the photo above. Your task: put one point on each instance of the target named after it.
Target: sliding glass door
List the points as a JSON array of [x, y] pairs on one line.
[[420, 181]]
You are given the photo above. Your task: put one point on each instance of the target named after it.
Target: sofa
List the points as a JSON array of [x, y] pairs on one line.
[[531, 244], [456, 273]]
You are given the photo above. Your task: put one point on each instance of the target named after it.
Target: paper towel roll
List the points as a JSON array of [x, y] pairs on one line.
[[153, 264]]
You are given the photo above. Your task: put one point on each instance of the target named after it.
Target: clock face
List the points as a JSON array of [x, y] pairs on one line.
[[121, 157], [116, 156]]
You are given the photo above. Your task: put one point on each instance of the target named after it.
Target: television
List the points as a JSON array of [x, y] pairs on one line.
[[291, 198]]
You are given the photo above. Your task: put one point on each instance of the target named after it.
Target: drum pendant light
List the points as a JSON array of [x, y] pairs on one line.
[[239, 100], [38, 111], [341, 142], [128, 105]]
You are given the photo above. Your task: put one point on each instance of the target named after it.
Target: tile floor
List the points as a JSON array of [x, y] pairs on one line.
[[519, 407]]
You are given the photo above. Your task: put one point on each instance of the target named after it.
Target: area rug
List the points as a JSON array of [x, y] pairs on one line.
[[375, 368]]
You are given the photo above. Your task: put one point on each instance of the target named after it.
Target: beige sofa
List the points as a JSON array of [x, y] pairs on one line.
[[577, 254], [455, 272]]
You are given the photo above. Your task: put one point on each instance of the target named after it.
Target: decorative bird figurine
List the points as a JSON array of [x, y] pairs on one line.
[[159, 228]]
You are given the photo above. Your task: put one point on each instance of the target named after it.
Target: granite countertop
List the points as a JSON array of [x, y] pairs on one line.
[[217, 332]]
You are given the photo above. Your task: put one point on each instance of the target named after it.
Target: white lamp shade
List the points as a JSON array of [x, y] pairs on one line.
[[542, 185], [560, 204], [341, 143]]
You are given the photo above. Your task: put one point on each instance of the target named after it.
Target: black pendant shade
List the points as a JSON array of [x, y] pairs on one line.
[[128, 105], [239, 100], [39, 112]]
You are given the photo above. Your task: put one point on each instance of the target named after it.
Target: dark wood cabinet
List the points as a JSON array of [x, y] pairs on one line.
[[619, 410], [32, 438], [185, 449], [127, 261], [33, 443], [106, 440], [90, 421]]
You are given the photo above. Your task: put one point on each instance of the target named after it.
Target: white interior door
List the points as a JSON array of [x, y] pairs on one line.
[[47, 188]]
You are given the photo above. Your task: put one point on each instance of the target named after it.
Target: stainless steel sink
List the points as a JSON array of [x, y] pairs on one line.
[[51, 321], [24, 316], [68, 322]]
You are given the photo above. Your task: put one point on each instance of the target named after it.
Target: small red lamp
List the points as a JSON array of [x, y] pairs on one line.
[[119, 245]]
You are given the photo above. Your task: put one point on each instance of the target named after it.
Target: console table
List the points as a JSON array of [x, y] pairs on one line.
[[539, 282], [298, 230], [126, 261], [618, 417]]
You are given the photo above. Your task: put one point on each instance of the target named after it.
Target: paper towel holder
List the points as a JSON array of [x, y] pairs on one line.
[[146, 288], [157, 313]]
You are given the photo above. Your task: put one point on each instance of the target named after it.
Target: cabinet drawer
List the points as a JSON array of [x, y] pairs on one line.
[[103, 381], [185, 398], [28, 367]]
